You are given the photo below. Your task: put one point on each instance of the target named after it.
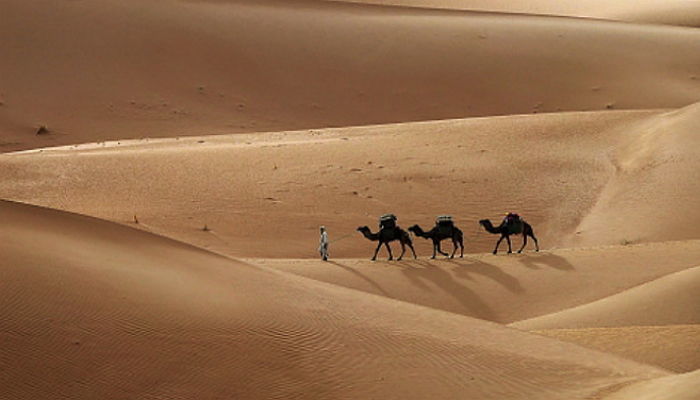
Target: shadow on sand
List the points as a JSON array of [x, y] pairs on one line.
[[448, 277], [451, 276], [537, 260], [363, 277]]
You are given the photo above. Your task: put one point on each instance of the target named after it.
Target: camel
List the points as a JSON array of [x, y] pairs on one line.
[[505, 232], [437, 235], [386, 235]]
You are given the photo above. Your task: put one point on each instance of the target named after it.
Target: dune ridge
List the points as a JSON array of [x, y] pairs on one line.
[[677, 387], [655, 164], [669, 300], [568, 176], [672, 347], [507, 289], [674, 12]]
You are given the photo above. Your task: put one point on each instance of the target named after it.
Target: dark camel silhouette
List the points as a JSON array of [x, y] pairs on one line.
[[505, 232], [386, 235], [437, 235]]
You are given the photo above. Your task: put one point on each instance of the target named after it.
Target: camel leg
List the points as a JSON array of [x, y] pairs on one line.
[[529, 232], [510, 248], [524, 243], [403, 250], [440, 249], [410, 246], [435, 246], [454, 248], [461, 246], [374, 257], [388, 248], [537, 246], [498, 243]]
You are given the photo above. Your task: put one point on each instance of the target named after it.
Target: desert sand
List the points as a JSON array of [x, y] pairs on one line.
[[158, 237], [137, 69]]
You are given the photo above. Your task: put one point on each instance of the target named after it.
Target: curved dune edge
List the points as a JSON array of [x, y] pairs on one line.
[[670, 300], [676, 387], [672, 347], [504, 288], [655, 166], [97, 310], [675, 12], [172, 68], [259, 189], [576, 177]]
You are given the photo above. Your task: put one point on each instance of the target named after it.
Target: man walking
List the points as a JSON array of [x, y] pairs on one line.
[[323, 245]]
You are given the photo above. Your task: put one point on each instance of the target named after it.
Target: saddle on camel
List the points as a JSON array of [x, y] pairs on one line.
[[513, 223], [444, 224]]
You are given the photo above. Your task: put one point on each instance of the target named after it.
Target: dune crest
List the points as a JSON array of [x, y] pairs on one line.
[[673, 347], [677, 387], [671, 12], [670, 300], [657, 165]]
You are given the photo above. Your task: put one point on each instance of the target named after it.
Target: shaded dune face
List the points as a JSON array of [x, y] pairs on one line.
[[98, 310], [134, 69]]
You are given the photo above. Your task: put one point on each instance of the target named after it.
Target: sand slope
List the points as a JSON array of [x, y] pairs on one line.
[[511, 288], [673, 347], [576, 177], [654, 183], [95, 310], [678, 387], [669, 300], [129, 69]]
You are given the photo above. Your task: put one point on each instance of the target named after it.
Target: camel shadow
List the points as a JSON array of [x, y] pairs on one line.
[[363, 277], [419, 272], [536, 260], [472, 266]]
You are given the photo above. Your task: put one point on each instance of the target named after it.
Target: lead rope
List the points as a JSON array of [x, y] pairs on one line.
[[341, 238]]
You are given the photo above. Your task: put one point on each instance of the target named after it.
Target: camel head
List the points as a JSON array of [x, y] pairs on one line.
[[414, 228], [483, 221], [363, 228]]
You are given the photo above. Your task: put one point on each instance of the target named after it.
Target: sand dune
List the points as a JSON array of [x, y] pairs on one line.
[[188, 151], [511, 288], [679, 387], [673, 347], [670, 300], [672, 12], [112, 69], [654, 169], [576, 177], [96, 310]]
